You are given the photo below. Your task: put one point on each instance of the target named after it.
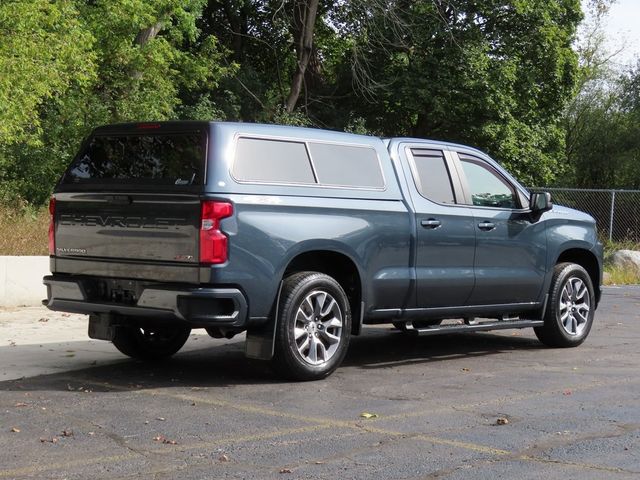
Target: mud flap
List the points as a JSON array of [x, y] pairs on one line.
[[260, 342], [102, 327]]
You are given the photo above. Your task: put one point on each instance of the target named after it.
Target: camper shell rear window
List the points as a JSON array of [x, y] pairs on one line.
[[146, 159]]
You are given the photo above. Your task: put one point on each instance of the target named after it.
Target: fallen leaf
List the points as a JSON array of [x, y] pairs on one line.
[[286, 470], [67, 433], [49, 440], [465, 369], [223, 458], [165, 440], [368, 415], [21, 404], [43, 320], [567, 392], [162, 419], [15, 430], [66, 314], [502, 421]]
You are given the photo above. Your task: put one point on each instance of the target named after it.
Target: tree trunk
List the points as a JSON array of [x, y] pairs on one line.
[[304, 23], [147, 34]]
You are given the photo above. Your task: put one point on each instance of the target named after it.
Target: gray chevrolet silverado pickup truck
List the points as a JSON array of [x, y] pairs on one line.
[[300, 236]]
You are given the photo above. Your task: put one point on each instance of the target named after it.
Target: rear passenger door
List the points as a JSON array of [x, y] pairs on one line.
[[445, 230], [510, 250]]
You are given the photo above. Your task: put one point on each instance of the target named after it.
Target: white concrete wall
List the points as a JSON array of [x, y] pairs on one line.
[[21, 281]]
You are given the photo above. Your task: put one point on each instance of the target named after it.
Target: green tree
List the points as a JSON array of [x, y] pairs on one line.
[[44, 51], [132, 60], [493, 73]]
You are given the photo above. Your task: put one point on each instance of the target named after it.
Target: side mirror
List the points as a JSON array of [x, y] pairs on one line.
[[540, 202]]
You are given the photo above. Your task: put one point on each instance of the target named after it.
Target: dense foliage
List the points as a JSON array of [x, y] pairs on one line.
[[492, 73]]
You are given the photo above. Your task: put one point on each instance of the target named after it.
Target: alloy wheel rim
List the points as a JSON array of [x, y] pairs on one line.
[[575, 305], [318, 327]]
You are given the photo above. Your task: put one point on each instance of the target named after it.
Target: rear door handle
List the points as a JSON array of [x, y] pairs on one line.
[[430, 223], [486, 226]]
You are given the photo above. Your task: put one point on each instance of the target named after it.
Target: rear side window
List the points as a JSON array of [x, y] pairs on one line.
[[346, 165], [431, 175], [272, 161], [162, 159], [307, 163]]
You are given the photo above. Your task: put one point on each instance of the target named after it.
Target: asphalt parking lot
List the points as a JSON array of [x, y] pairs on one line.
[[475, 406]]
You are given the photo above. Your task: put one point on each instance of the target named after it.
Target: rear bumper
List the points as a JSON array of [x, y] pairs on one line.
[[199, 306]]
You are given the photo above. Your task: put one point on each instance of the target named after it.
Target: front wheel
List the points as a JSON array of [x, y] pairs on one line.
[[314, 325], [570, 310], [154, 343]]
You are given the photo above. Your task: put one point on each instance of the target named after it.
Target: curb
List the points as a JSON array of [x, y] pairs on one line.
[[21, 280]]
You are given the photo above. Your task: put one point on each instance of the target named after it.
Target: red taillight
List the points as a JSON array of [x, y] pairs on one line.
[[213, 243], [52, 226]]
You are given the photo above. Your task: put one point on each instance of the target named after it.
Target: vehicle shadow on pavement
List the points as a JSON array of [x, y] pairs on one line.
[[225, 364], [383, 348]]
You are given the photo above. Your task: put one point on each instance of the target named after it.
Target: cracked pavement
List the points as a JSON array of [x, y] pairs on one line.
[[74, 408]]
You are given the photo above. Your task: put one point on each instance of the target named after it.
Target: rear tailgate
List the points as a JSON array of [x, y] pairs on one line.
[[129, 204]]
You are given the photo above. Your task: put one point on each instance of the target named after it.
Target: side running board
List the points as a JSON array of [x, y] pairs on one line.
[[473, 327]]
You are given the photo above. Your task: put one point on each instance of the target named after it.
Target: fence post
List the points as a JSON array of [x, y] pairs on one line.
[[613, 206]]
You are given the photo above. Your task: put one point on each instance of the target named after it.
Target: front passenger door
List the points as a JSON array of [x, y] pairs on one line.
[[510, 253]]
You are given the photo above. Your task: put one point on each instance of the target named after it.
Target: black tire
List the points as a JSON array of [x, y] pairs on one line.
[[322, 340], [155, 343], [570, 308]]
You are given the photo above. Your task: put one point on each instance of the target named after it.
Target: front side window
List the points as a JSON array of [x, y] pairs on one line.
[[488, 188]]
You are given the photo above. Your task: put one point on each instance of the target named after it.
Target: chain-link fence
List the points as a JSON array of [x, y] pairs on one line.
[[617, 212]]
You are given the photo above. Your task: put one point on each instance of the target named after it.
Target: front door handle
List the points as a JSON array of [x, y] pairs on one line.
[[486, 226], [431, 223]]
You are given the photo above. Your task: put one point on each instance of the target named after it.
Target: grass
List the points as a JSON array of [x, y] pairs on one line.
[[23, 230], [610, 247], [621, 276]]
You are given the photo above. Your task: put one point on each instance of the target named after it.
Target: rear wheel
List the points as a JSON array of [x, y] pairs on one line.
[[570, 308], [154, 343], [313, 326]]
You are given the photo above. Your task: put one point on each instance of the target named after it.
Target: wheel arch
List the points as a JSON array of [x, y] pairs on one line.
[[339, 266], [587, 260]]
